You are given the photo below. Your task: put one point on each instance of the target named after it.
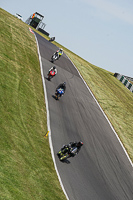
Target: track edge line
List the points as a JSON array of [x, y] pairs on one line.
[[48, 121]]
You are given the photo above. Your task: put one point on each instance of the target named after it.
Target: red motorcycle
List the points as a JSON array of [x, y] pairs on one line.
[[51, 74]]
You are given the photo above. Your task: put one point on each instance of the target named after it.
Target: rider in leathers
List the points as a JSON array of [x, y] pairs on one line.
[[62, 86], [59, 52], [53, 69], [68, 147]]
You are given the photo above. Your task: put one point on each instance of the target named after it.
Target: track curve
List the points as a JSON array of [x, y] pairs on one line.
[[101, 170]]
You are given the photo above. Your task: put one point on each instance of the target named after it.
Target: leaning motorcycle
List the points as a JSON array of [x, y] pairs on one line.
[[71, 153], [52, 39], [54, 57], [51, 74], [59, 93]]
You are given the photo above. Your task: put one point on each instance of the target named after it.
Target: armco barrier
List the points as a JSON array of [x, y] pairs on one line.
[[123, 79]]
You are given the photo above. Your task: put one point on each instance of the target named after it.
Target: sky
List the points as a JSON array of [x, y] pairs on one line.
[[100, 31]]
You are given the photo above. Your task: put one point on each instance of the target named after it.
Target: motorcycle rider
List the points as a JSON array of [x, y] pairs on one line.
[[53, 69], [59, 53], [62, 86], [51, 39], [68, 147]]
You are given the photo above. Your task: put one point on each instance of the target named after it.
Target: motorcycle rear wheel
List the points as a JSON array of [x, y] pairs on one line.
[[64, 157], [57, 96], [49, 77]]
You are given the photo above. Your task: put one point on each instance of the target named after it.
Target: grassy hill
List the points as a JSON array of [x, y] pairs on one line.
[[27, 170]]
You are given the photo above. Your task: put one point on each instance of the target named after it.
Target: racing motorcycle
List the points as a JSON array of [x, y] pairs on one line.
[[69, 153], [59, 92], [51, 74], [54, 57], [52, 39]]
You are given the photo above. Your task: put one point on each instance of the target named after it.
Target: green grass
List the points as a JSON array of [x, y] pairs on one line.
[[27, 170]]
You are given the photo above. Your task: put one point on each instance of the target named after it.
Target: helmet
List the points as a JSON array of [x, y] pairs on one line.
[[80, 143], [54, 67], [64, 83], [61, 49]]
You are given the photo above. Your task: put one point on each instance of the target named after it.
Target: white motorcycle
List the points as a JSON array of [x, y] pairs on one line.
[[55, 57]]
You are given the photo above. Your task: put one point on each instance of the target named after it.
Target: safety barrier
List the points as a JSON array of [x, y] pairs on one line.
[[124, 81]]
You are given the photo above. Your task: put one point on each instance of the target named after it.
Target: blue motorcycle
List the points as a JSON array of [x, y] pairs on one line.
[[59, 93]]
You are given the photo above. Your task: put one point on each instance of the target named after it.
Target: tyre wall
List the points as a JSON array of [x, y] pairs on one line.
[[123, 79]]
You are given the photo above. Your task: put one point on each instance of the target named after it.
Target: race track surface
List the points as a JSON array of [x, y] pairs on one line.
[[101, 170]]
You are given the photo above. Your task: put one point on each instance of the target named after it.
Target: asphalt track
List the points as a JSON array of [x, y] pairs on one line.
[[101, 170]]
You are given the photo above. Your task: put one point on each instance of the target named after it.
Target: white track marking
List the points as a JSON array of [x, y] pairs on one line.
[[48, 120]]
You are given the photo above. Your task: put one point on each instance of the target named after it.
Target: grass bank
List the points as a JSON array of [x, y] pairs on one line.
[[27, 170]]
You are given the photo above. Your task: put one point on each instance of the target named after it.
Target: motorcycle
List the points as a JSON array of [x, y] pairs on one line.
[[52, 39], [69, 153], [54, 57], [59, 93], [51, 74]]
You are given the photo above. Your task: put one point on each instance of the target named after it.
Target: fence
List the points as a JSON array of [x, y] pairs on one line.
[[123, 79]]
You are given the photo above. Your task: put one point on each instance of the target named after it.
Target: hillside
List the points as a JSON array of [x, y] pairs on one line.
[[27, 170]]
